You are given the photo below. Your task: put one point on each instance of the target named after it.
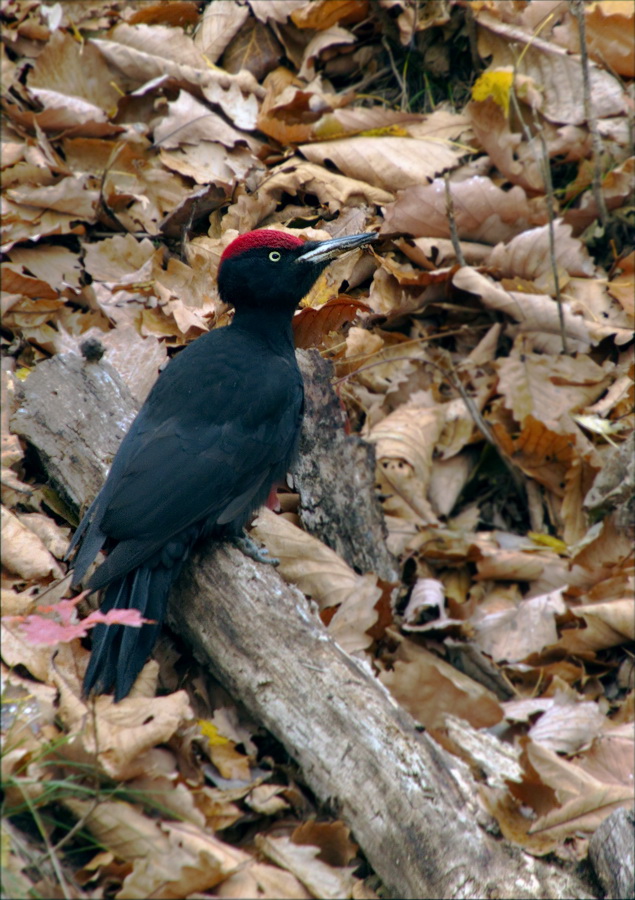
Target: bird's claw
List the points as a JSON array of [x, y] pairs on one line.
[[253, 551]]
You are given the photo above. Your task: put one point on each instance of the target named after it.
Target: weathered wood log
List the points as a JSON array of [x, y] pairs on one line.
[[612, 852], [335, 476], [412, 806]]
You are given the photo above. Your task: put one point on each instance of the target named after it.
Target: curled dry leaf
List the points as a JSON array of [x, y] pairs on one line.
[[585, 800], [144, 53], [433, 252], [26, 223], [301, 860], [539, 452], [532, 312], [519, 162], [211, 163], [609, 28], [16, 281], [292, 110], [218, 25], [322, 42], [54, 537], [310, 326], [332, 190], [189, 121], [616, 188], [622, 285], [70, 196], [567, 725], [607, 625], [332, 838], [121, 735], [24, 552], [18, 651], [118, 259], [257, 879], [427, 592], [449, 477], [74, 71], [527, 256], [254, 49], [57, 267], [404, 444]]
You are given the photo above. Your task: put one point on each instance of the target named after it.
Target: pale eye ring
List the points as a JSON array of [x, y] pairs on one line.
[[275, 255]]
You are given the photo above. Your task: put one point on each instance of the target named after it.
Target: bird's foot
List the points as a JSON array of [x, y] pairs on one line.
[[251, 549]]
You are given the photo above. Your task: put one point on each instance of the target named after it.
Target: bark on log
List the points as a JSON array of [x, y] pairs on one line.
[[612, 852], [412, 806], [335, 477]]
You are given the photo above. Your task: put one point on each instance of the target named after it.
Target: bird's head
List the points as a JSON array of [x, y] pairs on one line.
[[275, 270]]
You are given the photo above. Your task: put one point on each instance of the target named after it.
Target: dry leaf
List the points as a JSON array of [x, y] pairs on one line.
[[482, 211], [301, 860], [585, 800], [320, 573], [547, 388], [553, 69], [430, 689], [392, 163], [527, 256], [514, 634], [218, 25], [23, 552]]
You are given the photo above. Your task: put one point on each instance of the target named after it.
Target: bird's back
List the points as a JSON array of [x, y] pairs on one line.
[[220, 425]]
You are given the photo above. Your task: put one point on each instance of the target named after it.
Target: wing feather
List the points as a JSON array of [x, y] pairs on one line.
[[198, 452]]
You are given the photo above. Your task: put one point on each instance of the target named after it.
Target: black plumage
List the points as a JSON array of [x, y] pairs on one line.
[[218, 429]]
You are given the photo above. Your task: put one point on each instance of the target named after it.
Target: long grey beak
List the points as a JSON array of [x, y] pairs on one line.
[[320, 251]]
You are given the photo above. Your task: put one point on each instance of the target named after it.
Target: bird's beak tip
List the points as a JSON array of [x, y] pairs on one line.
[[326, 250]]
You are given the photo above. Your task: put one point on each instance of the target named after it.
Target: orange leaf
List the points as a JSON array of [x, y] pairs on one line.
[[311, 325]]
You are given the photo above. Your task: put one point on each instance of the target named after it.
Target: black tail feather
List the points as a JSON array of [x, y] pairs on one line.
[[119, 652]]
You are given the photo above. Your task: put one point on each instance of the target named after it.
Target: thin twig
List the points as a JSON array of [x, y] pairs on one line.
[[578, 11], [396, 73], [552, 239], [551, 199], [49, 852], [454, 234], [80, 823]]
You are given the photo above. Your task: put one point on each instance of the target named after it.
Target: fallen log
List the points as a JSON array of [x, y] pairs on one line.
[[412, 806]]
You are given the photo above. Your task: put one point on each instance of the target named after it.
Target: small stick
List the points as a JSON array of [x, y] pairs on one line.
[[449, 209], [578, 11], [552, 240], [546, 174]]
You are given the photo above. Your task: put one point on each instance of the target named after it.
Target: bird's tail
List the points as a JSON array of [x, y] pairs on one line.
[[119, 652]]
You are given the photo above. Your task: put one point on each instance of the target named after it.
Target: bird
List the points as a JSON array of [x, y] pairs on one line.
[[218, 430]]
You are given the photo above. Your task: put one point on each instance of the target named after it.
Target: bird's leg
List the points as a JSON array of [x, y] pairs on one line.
[[251, 549]]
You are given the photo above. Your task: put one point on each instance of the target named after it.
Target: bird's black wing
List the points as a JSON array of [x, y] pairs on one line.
[[215, 432]]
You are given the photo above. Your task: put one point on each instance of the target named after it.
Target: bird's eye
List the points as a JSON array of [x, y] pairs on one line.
[[274, 256]]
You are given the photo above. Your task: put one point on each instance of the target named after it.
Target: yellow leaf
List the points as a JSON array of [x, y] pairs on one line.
[[210, 731], [497, 85], [386, 131], [547, 540]]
